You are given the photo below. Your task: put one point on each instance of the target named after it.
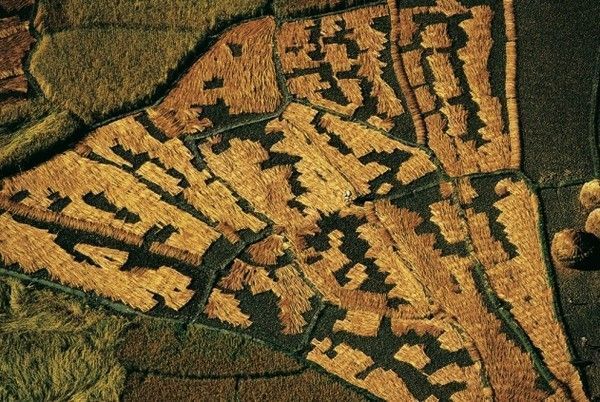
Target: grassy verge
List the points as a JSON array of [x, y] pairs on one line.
[[290, 9], [100, 58], [19, 148], [15, 113], [97, 72], [52, 347]]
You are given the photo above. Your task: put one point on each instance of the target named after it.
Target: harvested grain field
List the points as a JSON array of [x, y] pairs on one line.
[[338, 180]]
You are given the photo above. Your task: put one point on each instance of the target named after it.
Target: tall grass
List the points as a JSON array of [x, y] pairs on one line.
[[19, 147], [100, 58], [55, 348]]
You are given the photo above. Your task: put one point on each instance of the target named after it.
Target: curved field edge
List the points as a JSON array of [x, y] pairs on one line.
[[98, 60], [58, 347], [125, 67], [93, 29], [103, 58]]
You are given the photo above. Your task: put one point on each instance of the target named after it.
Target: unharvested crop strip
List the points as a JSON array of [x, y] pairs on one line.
[[250, 376], [402, 77], [511, 84]]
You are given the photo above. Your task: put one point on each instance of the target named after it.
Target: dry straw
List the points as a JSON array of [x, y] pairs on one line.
[[449, 281], [521, 281], [511, 83], [208, 196], [400, 22], [135, 288], [82, 177], [294, 46], [242, 59], [440, 295], [435, 36], [226, 307], [445, 83], [413, 65], [500, 150], [292, 293], [348, 362], [268, 250]]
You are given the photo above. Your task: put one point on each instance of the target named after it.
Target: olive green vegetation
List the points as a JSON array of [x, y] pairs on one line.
[[306, 386], [198, 363], [179, 350], [192, 15], [19, 112], [115, 69], [17, 148], [186, 360], [52, 347], [142, 388], [103, 57], [287, 8]]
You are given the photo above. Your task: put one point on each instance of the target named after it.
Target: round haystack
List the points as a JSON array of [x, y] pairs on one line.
[[592, 224], [590, 194], [576, 249]]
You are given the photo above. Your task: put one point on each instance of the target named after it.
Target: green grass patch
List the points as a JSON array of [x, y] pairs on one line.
[[97, 72], [287, 8], [19, 148], [194, 15], [18, 112], [100, 58], [53, 347], [176, 349]]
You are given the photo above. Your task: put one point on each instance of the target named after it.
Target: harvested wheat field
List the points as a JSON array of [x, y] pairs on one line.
[[330, 200]]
